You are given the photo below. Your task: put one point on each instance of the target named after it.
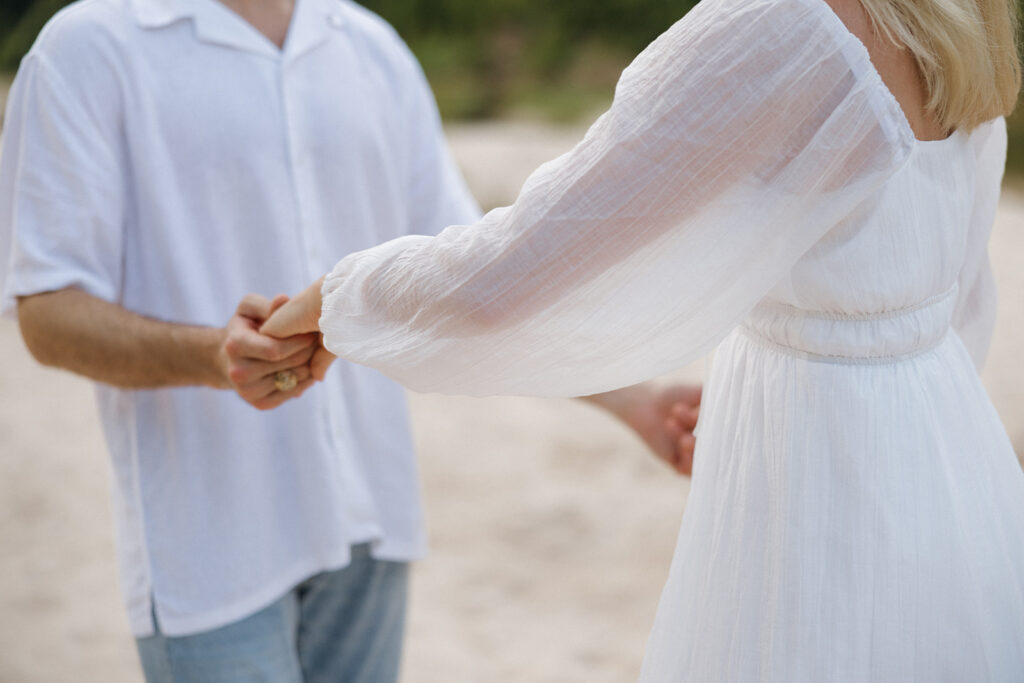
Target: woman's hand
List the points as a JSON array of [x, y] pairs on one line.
[[298, 316], [301, 315]]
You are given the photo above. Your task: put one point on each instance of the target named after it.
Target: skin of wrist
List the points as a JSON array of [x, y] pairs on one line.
[[315, 303], [632, 402], [217, 361], [625, 403]]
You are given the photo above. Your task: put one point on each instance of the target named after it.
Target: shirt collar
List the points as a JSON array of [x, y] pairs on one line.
[[160, 13], [313, 22]]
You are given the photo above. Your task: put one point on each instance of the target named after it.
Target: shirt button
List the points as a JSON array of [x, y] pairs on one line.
[[334, 20]]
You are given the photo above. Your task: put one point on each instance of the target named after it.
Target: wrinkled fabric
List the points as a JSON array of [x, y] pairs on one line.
[[716, 169], [857, 511]]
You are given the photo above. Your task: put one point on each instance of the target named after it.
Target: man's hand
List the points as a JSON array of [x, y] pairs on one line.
[[663, 417], [665, 420], [249, 360], [107, 343]]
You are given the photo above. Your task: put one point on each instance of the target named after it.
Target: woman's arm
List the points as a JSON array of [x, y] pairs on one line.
[[734, 144], [663, 417]]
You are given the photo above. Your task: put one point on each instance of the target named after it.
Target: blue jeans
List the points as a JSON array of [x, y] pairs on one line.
[[345, 625]]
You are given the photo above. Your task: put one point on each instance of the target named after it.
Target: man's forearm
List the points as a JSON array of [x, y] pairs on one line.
[[75, 331], [620, 402]]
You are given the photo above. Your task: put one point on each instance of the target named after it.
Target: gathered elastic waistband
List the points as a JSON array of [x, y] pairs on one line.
[[881, 337]]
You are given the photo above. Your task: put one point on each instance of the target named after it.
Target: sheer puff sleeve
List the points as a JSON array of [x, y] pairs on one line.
[[974, 317], [735, 141]]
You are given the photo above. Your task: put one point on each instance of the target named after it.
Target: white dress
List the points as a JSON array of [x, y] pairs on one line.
[[857, 511]]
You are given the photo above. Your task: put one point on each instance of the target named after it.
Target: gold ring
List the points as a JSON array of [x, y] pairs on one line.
[[285, 381]]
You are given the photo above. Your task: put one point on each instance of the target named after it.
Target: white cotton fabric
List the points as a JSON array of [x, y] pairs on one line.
[[857, 511], [164, 155]]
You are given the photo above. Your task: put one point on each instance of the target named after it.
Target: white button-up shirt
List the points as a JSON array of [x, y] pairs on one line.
[[164, 155]]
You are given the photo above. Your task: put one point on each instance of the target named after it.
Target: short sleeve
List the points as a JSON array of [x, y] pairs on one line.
[[438, 196], [734, 143], [975, 314], [61, 185]]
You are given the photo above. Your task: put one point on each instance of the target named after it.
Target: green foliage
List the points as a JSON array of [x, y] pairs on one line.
[[485, 58], [20, 23], [629, 23], [489, 57], [1015, 153]]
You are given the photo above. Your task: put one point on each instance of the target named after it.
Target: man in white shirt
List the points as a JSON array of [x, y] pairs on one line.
[[162, 160]]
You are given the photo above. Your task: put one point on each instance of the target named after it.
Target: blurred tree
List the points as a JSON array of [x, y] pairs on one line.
[[629, 23], [486, 57], [20, 23]]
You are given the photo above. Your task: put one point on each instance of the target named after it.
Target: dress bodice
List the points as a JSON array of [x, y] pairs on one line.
[[883, 284]]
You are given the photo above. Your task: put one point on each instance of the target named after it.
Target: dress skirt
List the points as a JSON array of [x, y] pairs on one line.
[[850, 519]]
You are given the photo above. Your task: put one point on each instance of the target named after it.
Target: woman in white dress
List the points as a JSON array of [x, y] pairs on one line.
[[857, 510]]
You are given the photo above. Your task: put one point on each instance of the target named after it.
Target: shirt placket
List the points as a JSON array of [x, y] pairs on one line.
[[355, 497]]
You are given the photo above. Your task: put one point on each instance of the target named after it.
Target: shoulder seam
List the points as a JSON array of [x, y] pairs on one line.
[[63, 15]]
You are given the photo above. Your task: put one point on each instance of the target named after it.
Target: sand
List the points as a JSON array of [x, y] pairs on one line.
[[551, 527]]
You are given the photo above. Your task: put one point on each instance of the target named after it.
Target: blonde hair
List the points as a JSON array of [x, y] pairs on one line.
[[966, 50]]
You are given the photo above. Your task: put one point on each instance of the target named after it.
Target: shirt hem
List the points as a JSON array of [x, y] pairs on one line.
[[207, 621]]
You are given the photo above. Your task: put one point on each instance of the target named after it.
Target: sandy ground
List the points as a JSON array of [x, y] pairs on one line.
[[551, 528]]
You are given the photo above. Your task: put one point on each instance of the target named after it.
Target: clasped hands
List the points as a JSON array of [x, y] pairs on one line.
[[266, 337], [265, 370]]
